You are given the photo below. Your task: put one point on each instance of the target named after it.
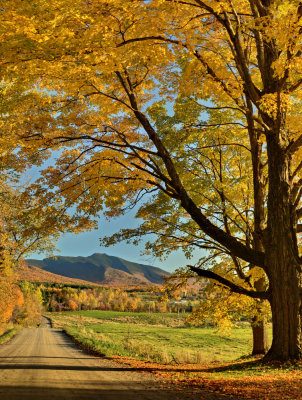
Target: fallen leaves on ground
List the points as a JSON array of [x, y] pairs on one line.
[[250, 379]]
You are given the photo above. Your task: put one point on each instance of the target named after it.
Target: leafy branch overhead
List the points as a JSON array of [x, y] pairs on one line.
[[195, 104]]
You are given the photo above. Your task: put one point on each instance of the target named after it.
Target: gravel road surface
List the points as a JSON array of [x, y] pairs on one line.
[[43, 363]]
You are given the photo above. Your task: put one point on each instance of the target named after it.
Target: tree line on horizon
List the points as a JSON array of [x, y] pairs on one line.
[[57, 299]]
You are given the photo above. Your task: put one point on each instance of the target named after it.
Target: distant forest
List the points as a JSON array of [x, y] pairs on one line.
[[57, 297]]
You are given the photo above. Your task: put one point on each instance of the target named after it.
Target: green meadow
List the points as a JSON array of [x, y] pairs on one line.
[[162, 338]]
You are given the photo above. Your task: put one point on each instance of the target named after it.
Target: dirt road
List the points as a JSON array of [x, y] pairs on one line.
[[43, 363]]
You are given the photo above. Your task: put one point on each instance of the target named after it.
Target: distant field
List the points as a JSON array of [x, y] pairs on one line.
[[162, 338]]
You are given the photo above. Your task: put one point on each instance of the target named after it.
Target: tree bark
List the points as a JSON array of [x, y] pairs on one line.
[[259, 324], [260, 336], [282, 258], [286, 316]]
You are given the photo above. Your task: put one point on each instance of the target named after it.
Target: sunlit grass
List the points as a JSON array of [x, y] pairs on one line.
[[195, 357], [8, 334], [162, 338]]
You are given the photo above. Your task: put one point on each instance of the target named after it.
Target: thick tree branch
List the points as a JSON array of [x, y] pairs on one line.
[[231, 243], [226, 240], [294, 146], [295, 86], [261, 8], [296, 170], [295, 191], [299, 213], [227, 283], [196, 54], [237, 50]]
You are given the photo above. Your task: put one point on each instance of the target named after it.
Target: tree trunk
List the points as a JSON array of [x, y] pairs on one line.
[[260, 336], [282, 257], [259, 324], [286, 315]]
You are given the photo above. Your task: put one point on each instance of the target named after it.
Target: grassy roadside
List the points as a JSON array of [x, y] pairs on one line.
[[163, 345], [9, 334]]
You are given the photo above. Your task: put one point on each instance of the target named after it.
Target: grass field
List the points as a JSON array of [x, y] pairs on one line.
[[163, 338], [197, 357], [6, 336]]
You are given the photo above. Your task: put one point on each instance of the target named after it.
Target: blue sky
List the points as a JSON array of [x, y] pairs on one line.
[[87, 243]]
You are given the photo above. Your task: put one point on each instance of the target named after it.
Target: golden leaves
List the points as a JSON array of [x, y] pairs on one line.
[[91, 68], [273, 103]]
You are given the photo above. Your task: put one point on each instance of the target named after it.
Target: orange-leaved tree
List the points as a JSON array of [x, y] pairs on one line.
[[102, 79], [172, 229]]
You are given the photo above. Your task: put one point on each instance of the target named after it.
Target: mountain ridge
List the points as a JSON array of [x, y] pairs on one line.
[[101, 268]]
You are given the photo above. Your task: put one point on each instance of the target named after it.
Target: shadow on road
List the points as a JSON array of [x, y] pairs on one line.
[[65, 367], [60, 358], [47, 393]]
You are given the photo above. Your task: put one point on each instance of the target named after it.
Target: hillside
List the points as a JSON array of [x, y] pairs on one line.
[[100, 269], [35, 274]]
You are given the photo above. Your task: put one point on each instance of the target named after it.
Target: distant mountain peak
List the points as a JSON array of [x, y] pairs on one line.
[[101, 268]]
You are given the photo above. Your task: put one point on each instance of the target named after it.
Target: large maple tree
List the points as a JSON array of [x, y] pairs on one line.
[[102, 79]]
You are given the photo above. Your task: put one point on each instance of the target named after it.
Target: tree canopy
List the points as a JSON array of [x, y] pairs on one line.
[[196, 100]]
